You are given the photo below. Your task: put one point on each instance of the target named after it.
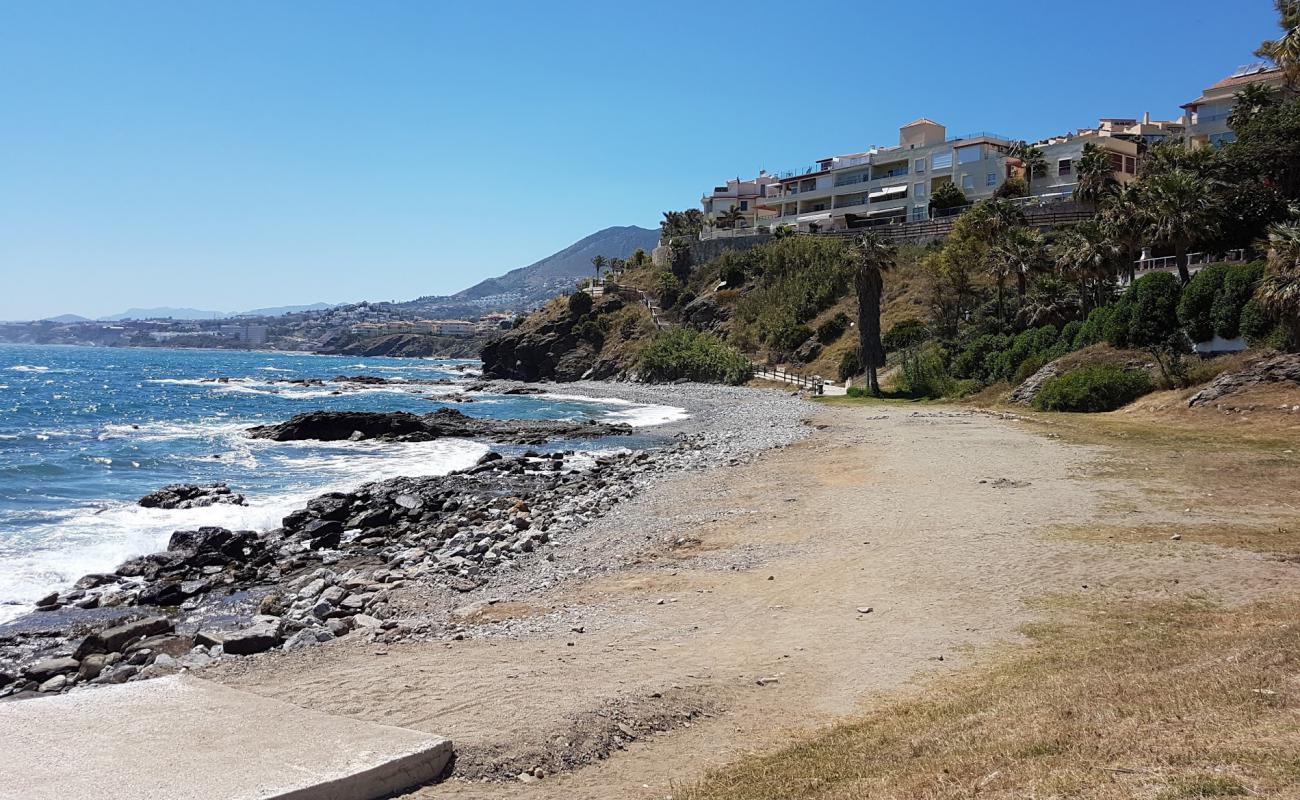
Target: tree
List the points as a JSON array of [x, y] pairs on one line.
[[1096, 175], [993, 221], [599, 263], [1253, 99], [872, 256], [1012, 187], [1279, 291], [1181, 208], [1154, 323], [730, 218], [1032, 161], [1024, 251], [1123, 221], [947, 196], [1285, 50], [1085, 255]]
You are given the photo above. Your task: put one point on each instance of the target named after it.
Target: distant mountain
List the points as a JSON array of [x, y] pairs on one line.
[[540, 281], [165, 312], [67, 318]]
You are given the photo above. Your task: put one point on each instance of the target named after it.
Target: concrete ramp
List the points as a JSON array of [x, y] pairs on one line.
[[182, 738]]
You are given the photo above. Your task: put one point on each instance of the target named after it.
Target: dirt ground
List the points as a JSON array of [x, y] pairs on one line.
[[897, 542]]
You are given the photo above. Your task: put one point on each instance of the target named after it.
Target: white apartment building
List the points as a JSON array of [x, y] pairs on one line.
[[894, 184], [1208, 114], [740, 195]]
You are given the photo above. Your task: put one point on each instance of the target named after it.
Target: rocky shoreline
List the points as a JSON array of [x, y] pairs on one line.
[[346, 563]]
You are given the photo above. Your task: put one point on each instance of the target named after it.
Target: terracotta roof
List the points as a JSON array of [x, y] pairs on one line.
[[1254, 77]]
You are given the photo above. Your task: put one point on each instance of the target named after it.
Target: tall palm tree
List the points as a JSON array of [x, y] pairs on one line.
[[1095, 173], [1032, 161], [872, 255], [1285, 50], [1024, 251], [1124, 220], [991, 220], [1279, 291], [1085, 255], [1181, 207], [599, 263]]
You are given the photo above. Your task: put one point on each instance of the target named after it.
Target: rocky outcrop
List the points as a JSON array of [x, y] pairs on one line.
[[1280, 368], [407, 345], [555, 344], [189, 495], [1025, 393], [401, 426], [704, 313]]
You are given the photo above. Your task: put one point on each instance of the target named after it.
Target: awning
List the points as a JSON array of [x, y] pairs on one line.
[[814, 217], [902, 187]]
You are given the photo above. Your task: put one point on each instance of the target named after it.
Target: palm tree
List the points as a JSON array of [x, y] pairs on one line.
[[872, 256], [1085, 254], [993, 219], [1285, 50], [1180, 208], [1023, 251], [1096, 175], [1123, 220], [599, 263], [1032, 161], [1279, 291], [730, 218]]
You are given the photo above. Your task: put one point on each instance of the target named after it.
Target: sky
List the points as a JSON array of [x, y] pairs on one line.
[[246, 153]]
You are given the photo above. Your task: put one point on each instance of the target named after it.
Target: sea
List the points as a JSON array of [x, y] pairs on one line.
[[86, 431]]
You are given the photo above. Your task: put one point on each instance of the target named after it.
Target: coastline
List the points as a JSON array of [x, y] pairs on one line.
[[724, 425]]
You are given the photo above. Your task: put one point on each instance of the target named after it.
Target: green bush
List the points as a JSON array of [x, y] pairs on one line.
[[905, 334], [1097, 387], [926, 375], [1257, 324], [580, 303], [833, 328], [676, 354], [1093, 330], [850, 365], [1239, 284], [857, 391], [1197, 301], [974, 359]]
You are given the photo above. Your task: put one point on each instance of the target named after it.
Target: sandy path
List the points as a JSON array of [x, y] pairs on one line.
[[896, 510]]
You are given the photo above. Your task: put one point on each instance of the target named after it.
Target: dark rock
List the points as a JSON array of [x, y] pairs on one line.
[[262, 636], [402, 426], [162, 593], [112, 640], [44, 670], [189, 495], [95, 580]]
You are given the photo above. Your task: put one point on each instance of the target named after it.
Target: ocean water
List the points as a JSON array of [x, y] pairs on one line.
[[85, 432]]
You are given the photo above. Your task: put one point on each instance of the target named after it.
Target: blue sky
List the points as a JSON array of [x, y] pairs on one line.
[[241, 154]]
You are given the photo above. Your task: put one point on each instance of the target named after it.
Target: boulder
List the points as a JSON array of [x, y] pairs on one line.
[[260, 637], [42, 671], [115, 639], [1280, 368], [189, 495]]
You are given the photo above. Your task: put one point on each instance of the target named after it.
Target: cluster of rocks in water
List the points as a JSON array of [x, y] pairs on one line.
[[445, 422], [330, 569]]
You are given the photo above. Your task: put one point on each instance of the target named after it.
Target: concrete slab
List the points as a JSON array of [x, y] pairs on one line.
[[182, 738]]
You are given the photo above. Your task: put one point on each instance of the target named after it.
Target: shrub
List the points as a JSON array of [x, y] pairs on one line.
[[973, 360], [590, 331], [1198, 299], [1239, 284], [833, 328], [1093, 330], [671, 355], [789, 336], [580, 303], [1097, 387], [1257, 323], [905, 334], [926, 375], [850, 365], [857, 391]]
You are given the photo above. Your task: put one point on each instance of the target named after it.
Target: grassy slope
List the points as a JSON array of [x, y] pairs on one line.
[[1111, 699]]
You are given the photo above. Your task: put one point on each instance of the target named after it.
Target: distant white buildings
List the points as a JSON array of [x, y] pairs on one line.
[[427, 327]]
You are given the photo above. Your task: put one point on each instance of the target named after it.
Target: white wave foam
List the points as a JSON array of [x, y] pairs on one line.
[[86, 539], [638, 415], [28, 368]]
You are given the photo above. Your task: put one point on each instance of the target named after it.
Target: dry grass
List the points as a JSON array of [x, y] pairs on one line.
[[1161, 701]]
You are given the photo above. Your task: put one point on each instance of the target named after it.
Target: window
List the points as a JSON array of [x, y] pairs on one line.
[[969, 154], [920, 165], [941, 161], [967, 182], [744, 205], [1064, 167], [991, 179], [918, 191]]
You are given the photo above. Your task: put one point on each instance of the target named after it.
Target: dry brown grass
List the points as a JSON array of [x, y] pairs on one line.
[[1159, 701]]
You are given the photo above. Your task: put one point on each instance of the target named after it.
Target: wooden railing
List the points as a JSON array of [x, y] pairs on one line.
[[810, 382]]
